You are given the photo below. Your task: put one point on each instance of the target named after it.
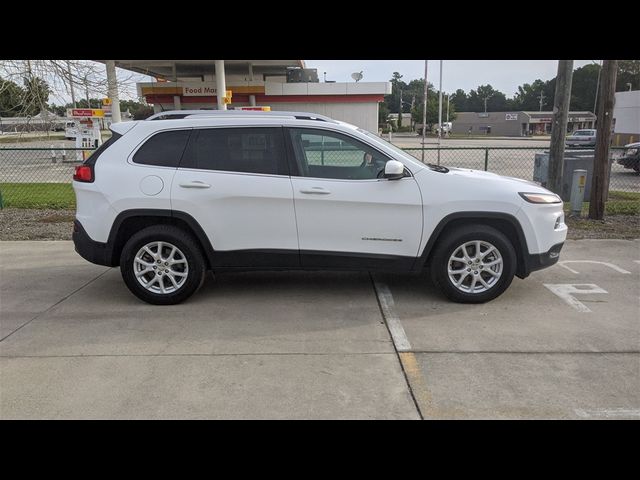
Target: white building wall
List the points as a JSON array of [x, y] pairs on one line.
[[627, 112], [363, 115]]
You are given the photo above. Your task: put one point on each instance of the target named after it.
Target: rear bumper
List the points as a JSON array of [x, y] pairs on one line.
[[92, 251], [538, 261]]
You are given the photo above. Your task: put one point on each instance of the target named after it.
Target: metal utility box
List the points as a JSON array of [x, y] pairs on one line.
[[571, 163], [541, 168], [573, 160]]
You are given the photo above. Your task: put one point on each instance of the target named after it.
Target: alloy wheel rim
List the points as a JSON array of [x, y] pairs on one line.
[[475, 267], [161, 267]]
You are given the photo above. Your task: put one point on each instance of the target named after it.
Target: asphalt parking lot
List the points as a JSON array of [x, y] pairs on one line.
[[76, 344]]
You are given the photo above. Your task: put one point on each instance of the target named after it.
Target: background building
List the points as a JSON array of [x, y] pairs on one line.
[[516, 124], [279, 84], [626, 117]]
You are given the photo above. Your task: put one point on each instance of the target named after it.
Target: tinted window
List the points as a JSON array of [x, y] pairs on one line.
[[164, 149], [324, 154], [249, 150]]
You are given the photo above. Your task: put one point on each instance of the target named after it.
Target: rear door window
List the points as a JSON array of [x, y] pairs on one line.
[[247, 150]]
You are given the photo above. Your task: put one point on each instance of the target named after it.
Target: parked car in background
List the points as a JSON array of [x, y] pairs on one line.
[[631, 156], [581, 138]]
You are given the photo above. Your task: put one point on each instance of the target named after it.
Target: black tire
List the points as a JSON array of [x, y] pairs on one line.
[[184, 242], [447, 245]]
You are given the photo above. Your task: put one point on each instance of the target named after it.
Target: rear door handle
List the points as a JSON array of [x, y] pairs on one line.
[[195, 184], [315, 190]]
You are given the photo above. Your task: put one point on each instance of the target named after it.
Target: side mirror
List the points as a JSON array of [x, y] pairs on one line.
[[393, 170]]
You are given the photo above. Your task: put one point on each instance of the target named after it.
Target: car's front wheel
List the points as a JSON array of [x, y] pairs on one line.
[[162, 265], [473, 264]]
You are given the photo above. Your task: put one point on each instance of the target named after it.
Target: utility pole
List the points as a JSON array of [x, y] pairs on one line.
[[413, 102], [400, 112], [424, 110], [541, 99], [485, 102], [448, 98], [600, 177], [559, 124], [595, 99]]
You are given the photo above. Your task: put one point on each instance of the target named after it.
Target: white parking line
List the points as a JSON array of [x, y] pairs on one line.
[[606, 264], [607, 412], [410, 365], [566, 291], [398, 334]]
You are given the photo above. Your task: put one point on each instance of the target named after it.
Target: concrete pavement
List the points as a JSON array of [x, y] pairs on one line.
[[77, 344]]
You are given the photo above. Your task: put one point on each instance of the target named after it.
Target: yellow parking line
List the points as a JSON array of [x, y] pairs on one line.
[[416, 380]]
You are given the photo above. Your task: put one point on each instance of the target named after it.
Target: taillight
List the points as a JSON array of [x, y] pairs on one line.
[[84, 173]]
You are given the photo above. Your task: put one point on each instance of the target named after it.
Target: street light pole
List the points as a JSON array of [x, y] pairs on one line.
[[440, 114], [424, 109], [448, 98]]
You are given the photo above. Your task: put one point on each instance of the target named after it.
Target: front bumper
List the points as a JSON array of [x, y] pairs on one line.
[[95, 252], [629, 162], [538, 261]]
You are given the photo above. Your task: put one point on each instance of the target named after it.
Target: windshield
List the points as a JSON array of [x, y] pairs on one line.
[[382, 141], [584, 133]]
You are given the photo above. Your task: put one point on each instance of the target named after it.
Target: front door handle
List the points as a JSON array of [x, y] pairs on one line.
[[315, 190], [195, 184]]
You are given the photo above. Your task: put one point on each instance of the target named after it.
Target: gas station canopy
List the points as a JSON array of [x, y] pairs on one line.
[[174, 69]]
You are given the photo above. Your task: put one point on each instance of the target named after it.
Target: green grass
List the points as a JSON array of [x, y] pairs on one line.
[[30, 138], [38, 195], [619, 203]]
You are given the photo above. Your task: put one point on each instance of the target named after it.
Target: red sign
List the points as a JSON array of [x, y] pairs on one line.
[[81, 112]]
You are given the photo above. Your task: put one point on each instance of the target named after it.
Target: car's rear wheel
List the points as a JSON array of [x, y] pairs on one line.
[[473, 264], [162, 265]]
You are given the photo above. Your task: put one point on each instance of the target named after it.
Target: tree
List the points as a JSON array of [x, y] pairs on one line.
[[36, 95], [628, 72], [583, 87], [432, 108], [459, 100], [383, 112], [10, 98], [527, 97], [59, 78], [496, 100]]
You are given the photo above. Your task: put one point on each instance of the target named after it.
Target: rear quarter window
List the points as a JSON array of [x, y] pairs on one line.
[[91, 160], [163, 149]]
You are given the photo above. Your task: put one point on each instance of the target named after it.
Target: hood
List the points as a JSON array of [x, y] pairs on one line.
[[632, 145], [481, 174]]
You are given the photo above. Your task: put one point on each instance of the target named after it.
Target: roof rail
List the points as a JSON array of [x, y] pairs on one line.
[[178, 114]]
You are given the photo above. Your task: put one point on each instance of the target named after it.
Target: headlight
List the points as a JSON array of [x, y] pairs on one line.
[[540, 197]]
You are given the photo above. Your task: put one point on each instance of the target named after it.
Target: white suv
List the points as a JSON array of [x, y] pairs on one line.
[[167, 200]]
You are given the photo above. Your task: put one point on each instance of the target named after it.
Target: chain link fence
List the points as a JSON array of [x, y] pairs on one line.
[[519, 162], [41, 177]]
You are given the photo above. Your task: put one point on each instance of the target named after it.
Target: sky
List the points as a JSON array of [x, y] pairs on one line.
[[503, 75]]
